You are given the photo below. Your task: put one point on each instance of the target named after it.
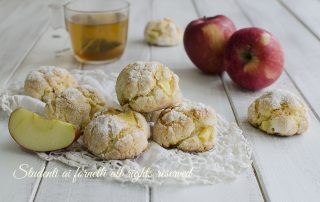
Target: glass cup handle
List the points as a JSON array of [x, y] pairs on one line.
[[57, 14]]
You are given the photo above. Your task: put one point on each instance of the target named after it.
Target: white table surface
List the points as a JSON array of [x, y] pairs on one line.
[[284, 169]]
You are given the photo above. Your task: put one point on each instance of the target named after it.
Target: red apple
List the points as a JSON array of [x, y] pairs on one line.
[[204, 41], [253, 58]]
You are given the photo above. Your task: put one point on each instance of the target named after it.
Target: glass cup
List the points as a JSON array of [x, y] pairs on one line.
[[98, 29]]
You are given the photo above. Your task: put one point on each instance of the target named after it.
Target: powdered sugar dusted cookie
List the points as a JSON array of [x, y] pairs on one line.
[[113, 134], [147, 87], [189, 126], [69, 106], [75, 105], [47, 82], [280, 113], [163, 32]]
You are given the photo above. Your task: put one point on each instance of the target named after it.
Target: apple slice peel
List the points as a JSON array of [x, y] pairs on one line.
[[36, 133]]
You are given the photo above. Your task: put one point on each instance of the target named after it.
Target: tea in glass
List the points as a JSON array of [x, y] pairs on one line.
[[97, 36]]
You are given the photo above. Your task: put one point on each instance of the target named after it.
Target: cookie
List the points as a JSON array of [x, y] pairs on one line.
[[147, 87], [69, 106], [279, 113], [47, 82], [190, 127], [163, 32], [113, 134]]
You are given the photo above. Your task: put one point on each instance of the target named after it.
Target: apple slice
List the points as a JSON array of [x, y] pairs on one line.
[[36, 133]]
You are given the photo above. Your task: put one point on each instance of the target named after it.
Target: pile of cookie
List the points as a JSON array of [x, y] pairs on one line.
[[146, 91], [149, 94]]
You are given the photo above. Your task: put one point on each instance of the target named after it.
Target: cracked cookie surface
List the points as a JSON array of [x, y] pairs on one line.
[[113, 134], [152, 116], [279, 112], [47, 82], [75, 105], [189, 127], [69, 106], [147, 87], [94, 97]]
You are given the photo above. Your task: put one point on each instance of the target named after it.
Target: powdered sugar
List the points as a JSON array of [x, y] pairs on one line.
[[188, 104], [49, 71], [142, 71], [173, 116], [36, 76], [108, 125], [277, 97], [72, 94], [52, 70], [116, 125]]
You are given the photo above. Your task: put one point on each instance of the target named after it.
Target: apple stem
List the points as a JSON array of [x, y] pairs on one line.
[[204, 17]]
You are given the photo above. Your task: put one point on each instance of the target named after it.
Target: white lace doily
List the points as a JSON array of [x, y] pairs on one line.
[[230, 156]]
